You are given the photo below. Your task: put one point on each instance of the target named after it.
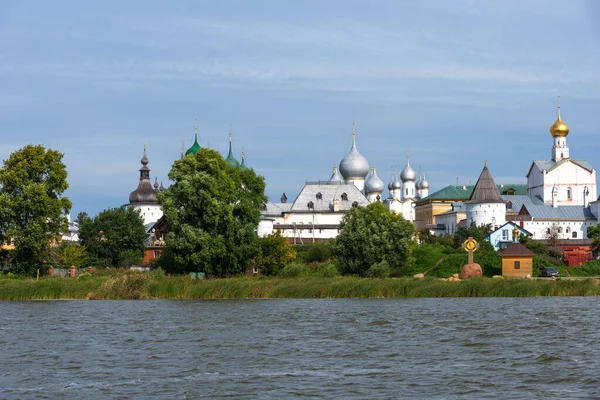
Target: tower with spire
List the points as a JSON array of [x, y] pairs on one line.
[[143, 198], [230, 160], [561, 180], [485, 205]]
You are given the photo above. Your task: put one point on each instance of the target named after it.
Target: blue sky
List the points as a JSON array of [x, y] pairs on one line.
[[456, 82]]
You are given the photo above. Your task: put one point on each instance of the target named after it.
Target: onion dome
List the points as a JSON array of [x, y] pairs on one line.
[[156, 183], [354, 166], [243, 165], [559, 128], [161, 188], [374, 184], [195, 147], [391, 184], [408, 174], [230, 160], [144, 192], [335, 177], [396, 184], [424, 184]]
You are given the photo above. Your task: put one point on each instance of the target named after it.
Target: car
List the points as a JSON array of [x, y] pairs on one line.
[[549, 272]]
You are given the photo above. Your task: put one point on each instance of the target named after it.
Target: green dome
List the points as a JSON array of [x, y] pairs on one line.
[[195, 147], [243, 165], [230, 160]]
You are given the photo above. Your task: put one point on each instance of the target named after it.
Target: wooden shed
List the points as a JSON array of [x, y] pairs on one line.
[[517, 261]]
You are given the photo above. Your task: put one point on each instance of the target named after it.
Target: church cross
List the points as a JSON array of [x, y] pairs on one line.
[[470, 245]]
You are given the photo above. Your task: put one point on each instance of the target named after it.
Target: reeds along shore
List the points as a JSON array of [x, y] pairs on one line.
[[157, 286]]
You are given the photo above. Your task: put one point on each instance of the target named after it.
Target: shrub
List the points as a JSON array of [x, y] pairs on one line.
[[379, 270], [274, 252], [293, 270]]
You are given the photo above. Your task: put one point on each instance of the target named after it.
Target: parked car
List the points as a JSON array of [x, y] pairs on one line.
[[549, 272]]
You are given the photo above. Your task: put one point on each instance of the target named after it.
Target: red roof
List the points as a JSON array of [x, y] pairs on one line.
[[516, 249]]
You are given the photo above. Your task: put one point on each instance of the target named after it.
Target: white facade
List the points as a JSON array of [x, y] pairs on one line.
[[575, 181], [486, 213], [149, 212]]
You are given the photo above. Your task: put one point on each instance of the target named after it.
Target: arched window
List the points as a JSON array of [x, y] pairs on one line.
[[560, 229], [548, 231], [568, 230], [354, 204], [569, 193], [311, 205], [344, 196], [574, 235], [319, 196]]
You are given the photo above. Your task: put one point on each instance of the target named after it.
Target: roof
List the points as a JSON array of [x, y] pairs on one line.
[[328, 192], [463, 192], [549, 165], [542, 211], [275, 208], [485, 190], [516, 249], [456, 208], [514, 225]]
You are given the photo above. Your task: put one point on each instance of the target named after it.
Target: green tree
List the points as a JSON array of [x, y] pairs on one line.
[[479, 233], [372, 234], [212, 211], [32, 208], [593, 232], [116, 237], [72, 254], [274, 253]]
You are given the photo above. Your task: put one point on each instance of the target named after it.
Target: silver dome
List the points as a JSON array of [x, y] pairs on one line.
[[335, 177], [374, 184], [408, 174], [396, 184], [424, 184], [354, 165]]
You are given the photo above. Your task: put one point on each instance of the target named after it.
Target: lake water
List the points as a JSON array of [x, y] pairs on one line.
[[472, 348]]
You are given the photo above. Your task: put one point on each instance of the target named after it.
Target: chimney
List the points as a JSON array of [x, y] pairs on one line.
[[336, 205]]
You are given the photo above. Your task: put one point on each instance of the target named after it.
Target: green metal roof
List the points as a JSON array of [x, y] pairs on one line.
[[463, 192], [195, 147]]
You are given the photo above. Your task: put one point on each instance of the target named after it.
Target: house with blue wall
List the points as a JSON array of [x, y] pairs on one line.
[[506, 234]]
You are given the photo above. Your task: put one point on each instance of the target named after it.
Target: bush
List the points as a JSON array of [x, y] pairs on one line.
[[328, 270], [274, 252], [379, 270], [293, 270]]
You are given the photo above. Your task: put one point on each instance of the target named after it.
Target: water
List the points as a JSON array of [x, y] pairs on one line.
[[473, 348]]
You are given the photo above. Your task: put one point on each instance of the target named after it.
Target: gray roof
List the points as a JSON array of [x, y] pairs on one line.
[[539, 210], [275, 208], [485, 190], [549, 165], [327, 194]]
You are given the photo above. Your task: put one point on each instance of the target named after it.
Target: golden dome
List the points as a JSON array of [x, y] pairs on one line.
[[559, 128]]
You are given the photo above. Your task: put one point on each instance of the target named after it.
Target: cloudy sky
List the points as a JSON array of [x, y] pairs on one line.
[[458, 83]]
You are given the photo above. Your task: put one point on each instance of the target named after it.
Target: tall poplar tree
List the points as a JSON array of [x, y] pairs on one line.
[[32, 207], [212, 211]]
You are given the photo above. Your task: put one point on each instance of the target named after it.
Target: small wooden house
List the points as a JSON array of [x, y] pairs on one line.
[[517, 261]]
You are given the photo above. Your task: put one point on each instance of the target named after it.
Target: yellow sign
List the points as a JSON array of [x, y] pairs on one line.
[[470, 245]]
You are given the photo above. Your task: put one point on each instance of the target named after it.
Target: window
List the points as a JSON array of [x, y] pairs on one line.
[[504, 234], [574, 235], [354, 204], [311, 205], [156, 254], [568, 193], [510, 192], [344, 196], [560, 229], [568, 230], [319, 196], [255, 270], [517, 264]]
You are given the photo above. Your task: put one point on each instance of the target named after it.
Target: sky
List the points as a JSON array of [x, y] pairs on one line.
[[457, 83]]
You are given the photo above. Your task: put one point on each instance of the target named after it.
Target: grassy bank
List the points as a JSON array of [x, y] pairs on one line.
[[156, 286]]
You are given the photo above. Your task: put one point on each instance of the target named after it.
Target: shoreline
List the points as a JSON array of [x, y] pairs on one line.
[[145, 286]]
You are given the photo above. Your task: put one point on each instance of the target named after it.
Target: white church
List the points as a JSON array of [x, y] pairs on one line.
[[316, 213], [561, 196]]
